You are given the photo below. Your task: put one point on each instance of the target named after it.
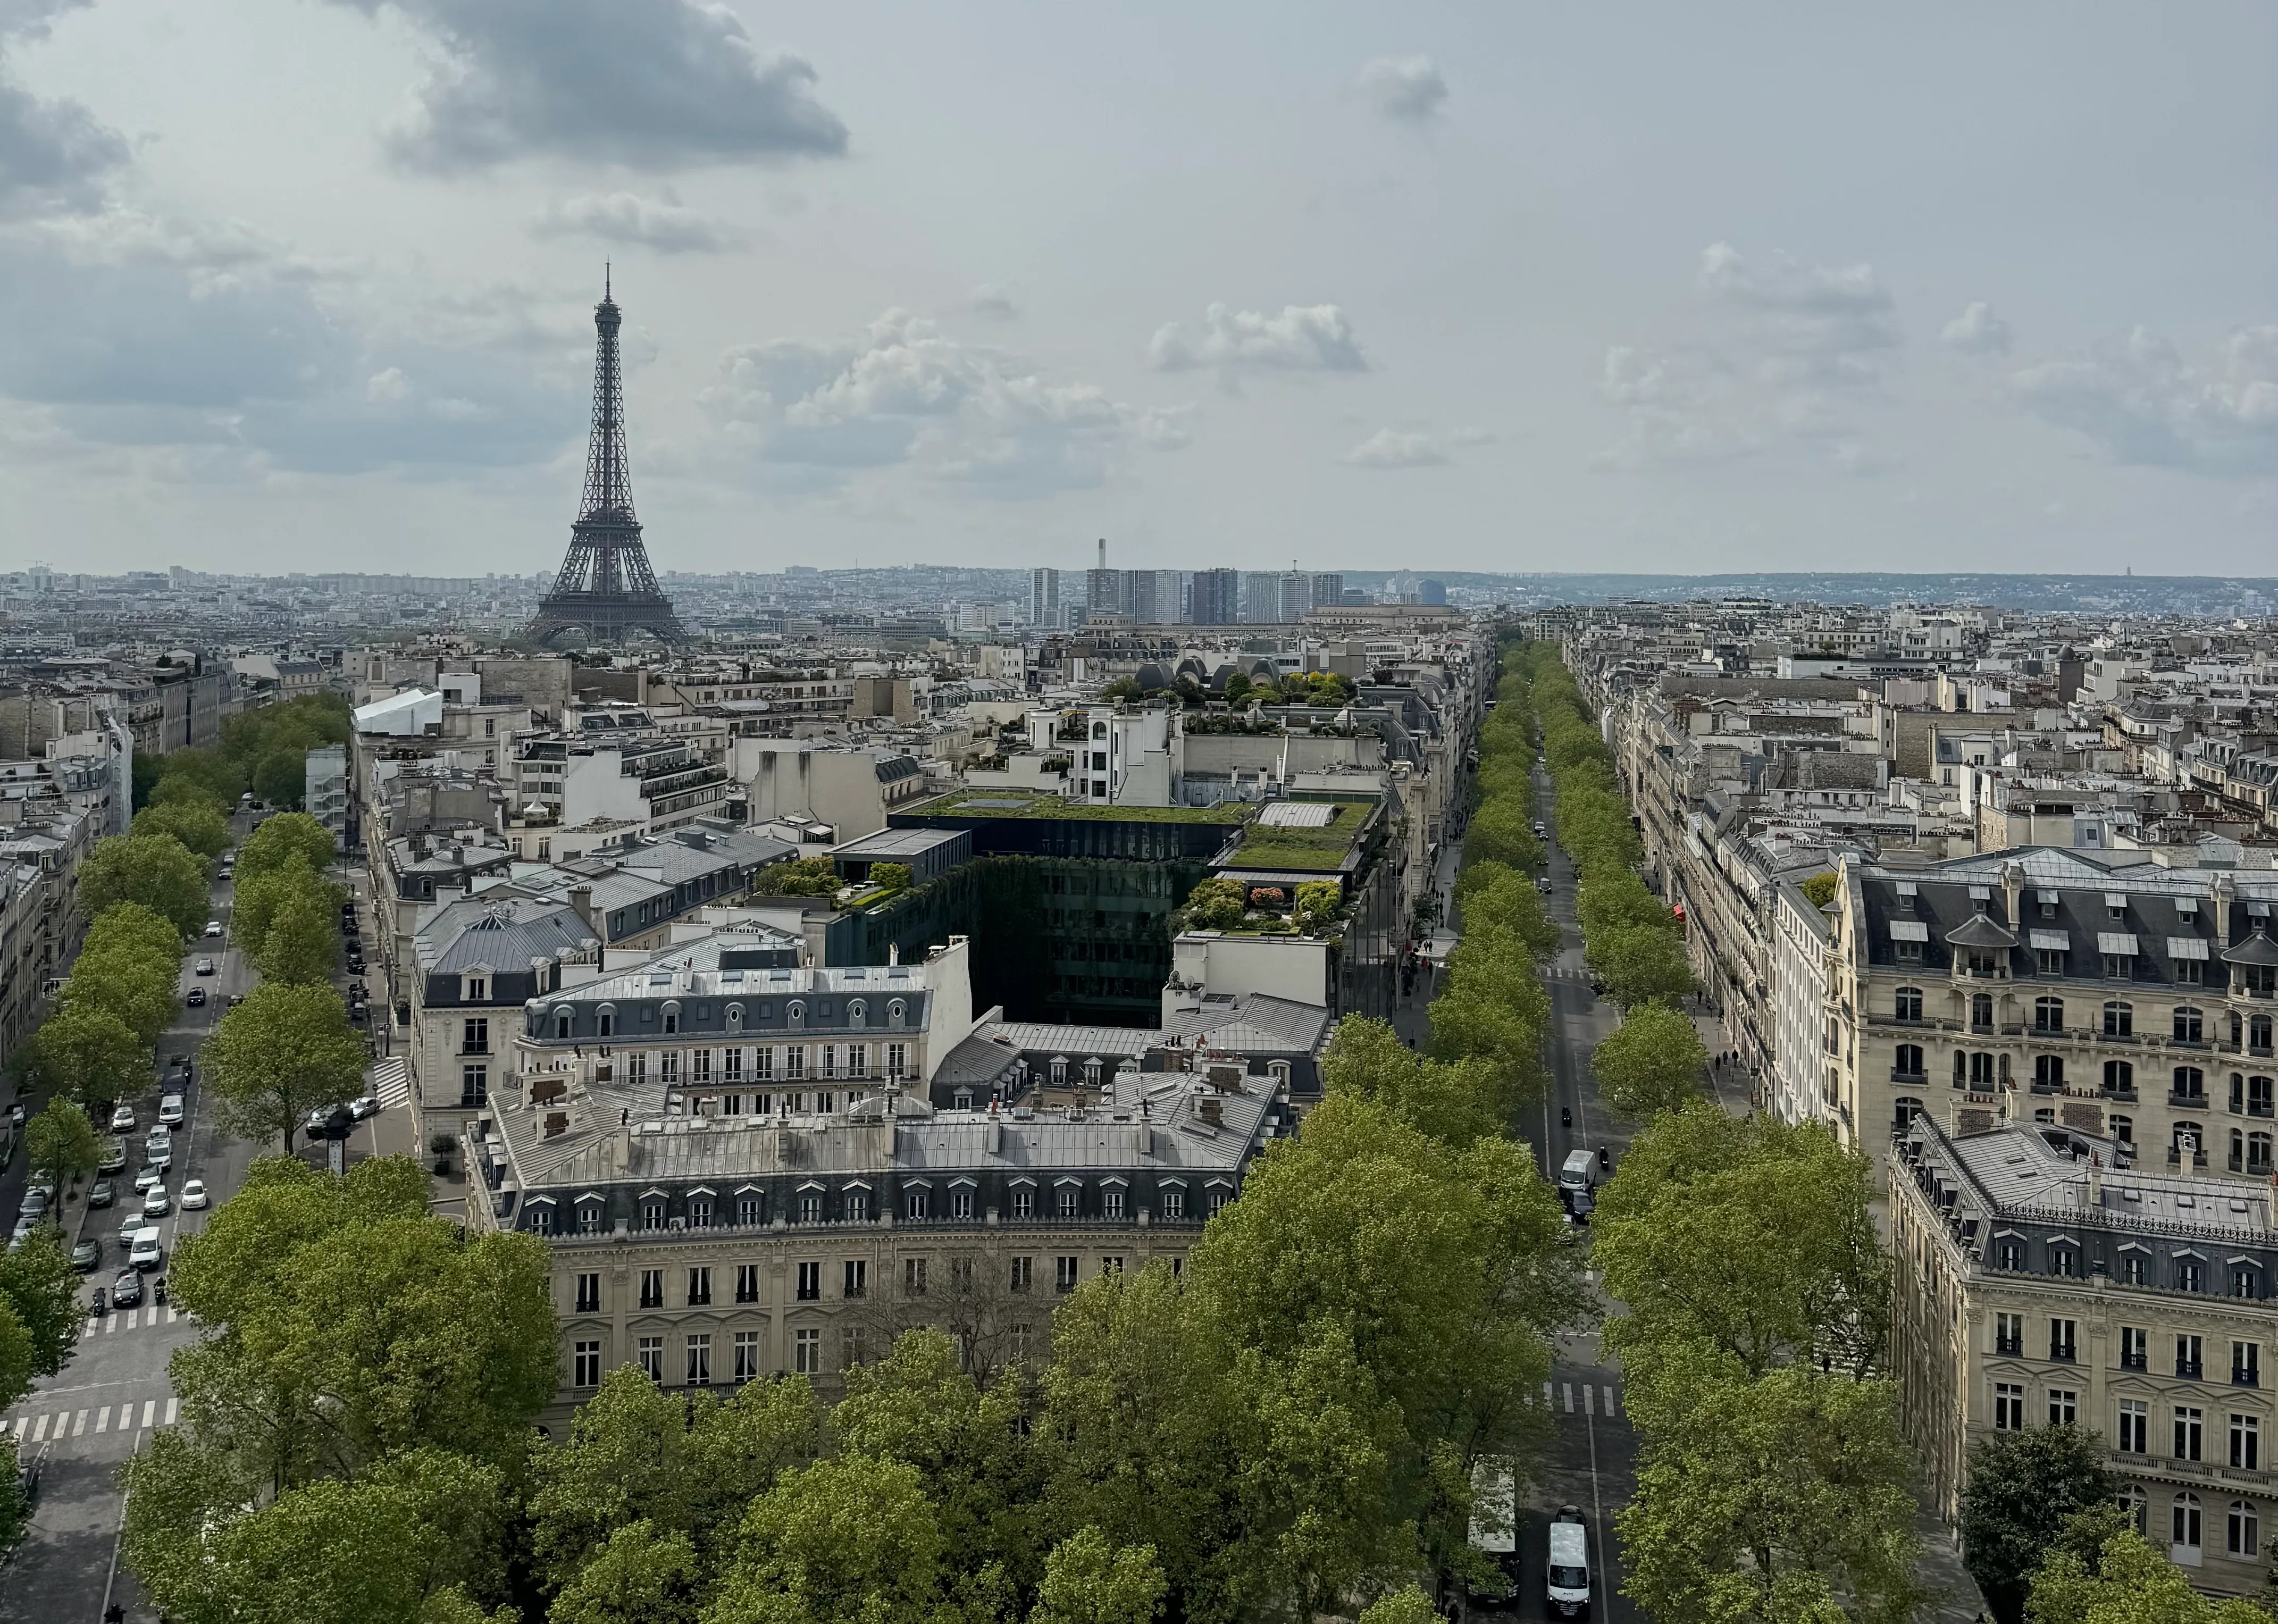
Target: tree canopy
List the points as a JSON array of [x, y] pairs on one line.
[[1655, 1061], [155, 870], [285, 1050]]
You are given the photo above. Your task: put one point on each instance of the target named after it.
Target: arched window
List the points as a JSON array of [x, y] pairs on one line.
[[1907, 1005], [734, 1017], [1099, 730], [2242, 1535], [605, 1021], [2137, 1504], [1904, 1110], [671, 1013], [2119, 1077], [565, 1022], [1960, 1068], [894, 1011], [1906, 1060], [2048, 1014], [2048, 1071], [2190, 1024], [2189, 1082], [1981, 1012], [857, 1012], [1981, 1070], [2118, 1019], [2184, 1522], [795, 1012], [1278, 1070]]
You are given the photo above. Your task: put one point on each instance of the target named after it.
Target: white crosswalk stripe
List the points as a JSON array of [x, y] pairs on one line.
[[1567, 1390], [1610, 1411], [390, 1082], [150, 1408]]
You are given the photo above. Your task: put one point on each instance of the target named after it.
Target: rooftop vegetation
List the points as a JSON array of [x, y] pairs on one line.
[[993, 803]]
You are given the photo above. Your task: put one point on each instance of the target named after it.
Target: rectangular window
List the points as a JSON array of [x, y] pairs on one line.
[[1175, 1204], [2133, 1433], [474, 1085], [795, 1063], [810, 1206], [2245, 1537], [1064, 1275], [2061, 1339], [541, 1220], [2246, 1442], [857, 1207], [652, 1287], [2190, 1423], [806, 1352], [698, 1349], [589, 1294], [747, 1356], [1024, 1273], [2009, 1333], [913, 1276], [810, 1283], [699, 1288], [731, 1072], [475, 1039], [668, 1069], [831, 1060], [1111, 1201], [850, 1346], [897, 1061], [857, 1280], [586, 1364], [2008, 1406], [2246, 1364], [2064, 1406], [1111, 1265], [1024, 1201], [747, 1283], [637, 1066], [749, 1209], [699, 1211], [2187, 1357], [960, 1202], [915, 1203], [2135, 1350], [589, 1218], [650, 1349], [858, 1060], [699, 1065], [763, 1065], [1068, 1196]]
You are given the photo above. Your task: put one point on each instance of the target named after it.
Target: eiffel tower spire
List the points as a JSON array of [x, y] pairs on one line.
[[606, 591]]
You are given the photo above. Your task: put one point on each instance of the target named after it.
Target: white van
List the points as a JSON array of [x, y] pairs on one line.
[[1580, 1173], [1495, 1531], [1566, 1577], [146, 1253]]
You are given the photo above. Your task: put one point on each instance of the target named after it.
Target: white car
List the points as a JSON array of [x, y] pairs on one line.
[[149, 1179], [156, 1204], [122, 1119], [194, 1195], [146, 1252], [169, 1109], [213, 927]]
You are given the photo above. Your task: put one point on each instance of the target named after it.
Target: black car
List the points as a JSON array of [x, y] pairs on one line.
[[85, 1255], [126, 1290]]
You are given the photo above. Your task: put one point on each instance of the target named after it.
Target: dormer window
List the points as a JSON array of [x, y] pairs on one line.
[[1906, 895], [605, 1021], [672, 1013], [478, 989], [2048, 901], [565, 1022], [894, 1011], [734, 1017], [795, 1012], [856, 1010]]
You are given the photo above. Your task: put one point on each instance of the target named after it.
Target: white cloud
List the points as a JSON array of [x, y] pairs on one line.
[[1409, 89], [53, 151], [389, 385], [1168, 428], [1977, 330], [649, 84], [2142, 401], [1314, 338], [905, 395], [660, 223], [1389, 448], [1789, 357]]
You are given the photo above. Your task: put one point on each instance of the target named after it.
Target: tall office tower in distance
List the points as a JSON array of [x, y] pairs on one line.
[[1217, 597], [606, 592], [1103, 587], [1261, 597], [1328, 590], [1044, 598], [1153, 597], [1428, 591]]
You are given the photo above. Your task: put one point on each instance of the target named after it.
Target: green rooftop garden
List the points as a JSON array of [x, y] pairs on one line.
[[1266, 846], [1019, 803]]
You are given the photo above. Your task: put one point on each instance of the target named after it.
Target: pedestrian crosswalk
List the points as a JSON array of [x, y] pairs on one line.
[[130, 1319], [1559, 1397], [390, 1082], [41, 1424]]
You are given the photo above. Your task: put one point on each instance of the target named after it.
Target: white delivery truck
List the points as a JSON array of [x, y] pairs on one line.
[[1566, 1575], [1494, 1533]]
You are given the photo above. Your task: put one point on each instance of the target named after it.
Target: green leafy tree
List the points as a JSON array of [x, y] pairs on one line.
[[801, 876], [285, 1051], [1212, 905], [641, 1574], [1641, 964], [40, 1315], [301, 945], [128, 983], [154, 869], [1820, 888], [282, 838], [684, 1464], [1090, 1581], [2130, 1581], [201, 775], [1768, 1499], [60, 1142], [1122, 688], [346, 1325], [93, 1053], [2022, 1488], [1404, 1606], [197, 824], [275, 891], [280, 778], [1237, 687], [1453, 1101], [1653, 1062], [1754, 1236], [853, 1536], [891, 876], [1317, 902], [132, 928]]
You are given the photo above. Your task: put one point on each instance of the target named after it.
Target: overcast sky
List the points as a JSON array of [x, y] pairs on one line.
[[307, 284]]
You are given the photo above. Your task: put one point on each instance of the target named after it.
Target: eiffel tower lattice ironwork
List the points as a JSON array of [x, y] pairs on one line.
[[606, 590]]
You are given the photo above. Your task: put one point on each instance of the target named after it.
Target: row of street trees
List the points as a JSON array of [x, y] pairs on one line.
[[263, 751], [1774, 1482]]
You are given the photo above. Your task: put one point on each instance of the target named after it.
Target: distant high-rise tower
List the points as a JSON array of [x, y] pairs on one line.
[[1044, 598], [606, 590], [1217, 597]]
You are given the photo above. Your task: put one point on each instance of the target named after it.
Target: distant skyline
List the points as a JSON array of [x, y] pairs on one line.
[[307, 285]]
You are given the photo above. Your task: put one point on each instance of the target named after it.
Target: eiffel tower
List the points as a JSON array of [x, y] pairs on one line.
[[606, 592]]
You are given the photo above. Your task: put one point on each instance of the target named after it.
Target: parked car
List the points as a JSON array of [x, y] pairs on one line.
[[194, 1195], [213, 927], [203, 966], [147, 1253], [85, 1255], [363, 1106], [357, 1014], [147, 1177], [158, 1161], [169, 1109], [157, 1203], [24, 1228], [102, 1192], [126, 1290], [122, 1119], [196, 998], [114, 1156], [34, 1205], [159, 1136]]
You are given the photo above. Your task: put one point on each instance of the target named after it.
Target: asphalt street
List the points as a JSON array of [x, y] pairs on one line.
[[84, 1423]]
